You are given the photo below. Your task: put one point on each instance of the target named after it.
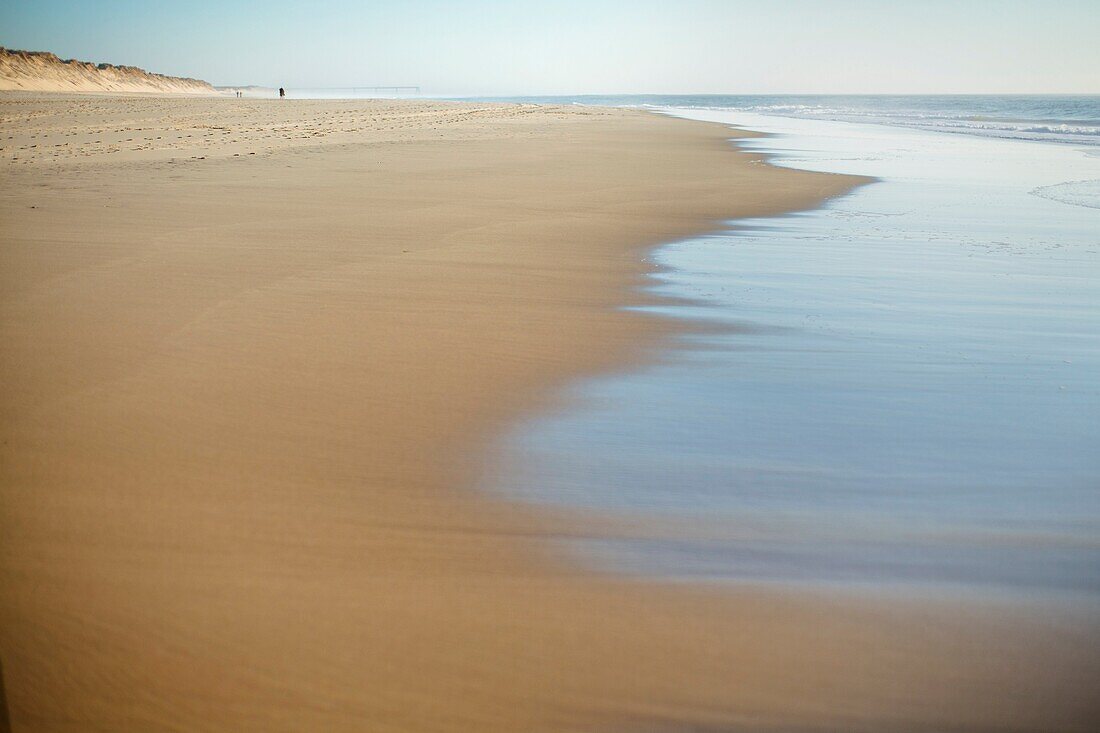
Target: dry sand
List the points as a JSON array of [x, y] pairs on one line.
[[253, 353]]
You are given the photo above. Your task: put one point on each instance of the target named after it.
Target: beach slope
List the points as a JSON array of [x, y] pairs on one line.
[[253, 355]]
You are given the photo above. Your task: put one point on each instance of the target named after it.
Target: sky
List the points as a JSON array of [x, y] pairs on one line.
[[524, 47]]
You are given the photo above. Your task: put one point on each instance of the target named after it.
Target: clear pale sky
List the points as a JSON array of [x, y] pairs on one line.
[[589, 46]]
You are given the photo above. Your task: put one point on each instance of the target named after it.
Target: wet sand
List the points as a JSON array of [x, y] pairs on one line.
[[253, 353]]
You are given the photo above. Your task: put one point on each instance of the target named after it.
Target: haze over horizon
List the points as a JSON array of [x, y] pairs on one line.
[[595, 47]]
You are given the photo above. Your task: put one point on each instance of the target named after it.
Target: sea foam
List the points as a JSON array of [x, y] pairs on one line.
[[1076, 193]]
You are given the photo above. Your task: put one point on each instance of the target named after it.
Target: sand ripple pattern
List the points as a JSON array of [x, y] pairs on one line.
[[37, 130]]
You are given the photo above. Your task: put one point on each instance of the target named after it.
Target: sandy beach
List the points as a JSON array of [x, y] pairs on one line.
[[253, 355]]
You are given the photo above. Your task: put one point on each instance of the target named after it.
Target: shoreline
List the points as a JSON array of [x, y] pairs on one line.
[[247, 396], [643, 414]]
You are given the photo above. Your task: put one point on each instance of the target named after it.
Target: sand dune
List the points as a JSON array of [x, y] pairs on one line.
[[253, 354], [42, 71]]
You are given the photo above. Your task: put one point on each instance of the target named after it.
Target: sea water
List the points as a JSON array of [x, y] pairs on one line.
[[900, 389], [1073, 119]]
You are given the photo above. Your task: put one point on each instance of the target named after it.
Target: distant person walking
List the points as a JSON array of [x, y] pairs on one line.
[[282, 92]]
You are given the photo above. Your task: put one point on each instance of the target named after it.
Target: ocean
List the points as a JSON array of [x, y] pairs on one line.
[[1073, 119], [899, 391]]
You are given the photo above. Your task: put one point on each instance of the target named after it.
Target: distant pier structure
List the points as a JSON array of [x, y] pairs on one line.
[[399, 90]]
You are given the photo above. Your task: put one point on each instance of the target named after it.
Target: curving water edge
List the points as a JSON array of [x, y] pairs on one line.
[[906, 395]]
